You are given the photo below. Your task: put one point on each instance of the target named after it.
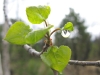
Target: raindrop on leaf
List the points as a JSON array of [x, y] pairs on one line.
[[65, 33]]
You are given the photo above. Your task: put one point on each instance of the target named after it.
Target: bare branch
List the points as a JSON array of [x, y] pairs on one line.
[[84, 63], [31, 50], [71, 62]]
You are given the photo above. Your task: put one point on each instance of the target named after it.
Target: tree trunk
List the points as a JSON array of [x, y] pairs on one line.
[[5, 45], [0, 66]]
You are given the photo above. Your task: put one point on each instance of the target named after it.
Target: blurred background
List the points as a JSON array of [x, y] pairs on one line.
[[84, 40]]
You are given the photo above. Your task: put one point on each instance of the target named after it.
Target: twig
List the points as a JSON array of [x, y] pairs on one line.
[[45, 23], [55, 72], [44, 48], [71, 62], [84, 63], [31, 50], [54, 31], [48, 36]]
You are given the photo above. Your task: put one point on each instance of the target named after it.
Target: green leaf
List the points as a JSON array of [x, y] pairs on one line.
[[17, 32], [68, 26], [57, 58], [37, 15], [37, 35]]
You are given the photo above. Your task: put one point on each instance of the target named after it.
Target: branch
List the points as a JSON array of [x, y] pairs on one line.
[[84, 63], [55, 72], [31, 50], [71, 62], [44, 48]]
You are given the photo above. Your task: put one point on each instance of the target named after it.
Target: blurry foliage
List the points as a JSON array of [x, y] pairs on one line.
[[95, 51]]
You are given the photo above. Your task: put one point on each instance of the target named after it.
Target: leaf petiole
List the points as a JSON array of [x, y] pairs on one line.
[[48, 36], [54, 31], [45, 23]]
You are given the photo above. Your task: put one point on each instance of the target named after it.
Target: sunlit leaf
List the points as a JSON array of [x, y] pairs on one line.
[[37, 15], [57, 58], [17, 32], [68, 26], [37, 35]]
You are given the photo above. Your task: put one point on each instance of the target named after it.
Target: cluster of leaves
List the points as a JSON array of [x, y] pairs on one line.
[[19, 33]]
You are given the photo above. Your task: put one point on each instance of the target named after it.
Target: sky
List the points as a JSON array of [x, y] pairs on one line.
[[88, 10]]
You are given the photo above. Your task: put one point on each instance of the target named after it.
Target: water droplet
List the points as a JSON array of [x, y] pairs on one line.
[[65, 33]]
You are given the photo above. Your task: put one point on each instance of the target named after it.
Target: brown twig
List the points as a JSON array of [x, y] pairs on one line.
[[44, 48], [45, 23], [55, 72], [46, 26], [54, 31]]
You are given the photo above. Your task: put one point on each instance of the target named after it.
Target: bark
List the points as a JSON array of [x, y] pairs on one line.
[[0, 66], [85, 63], [5, 45]]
